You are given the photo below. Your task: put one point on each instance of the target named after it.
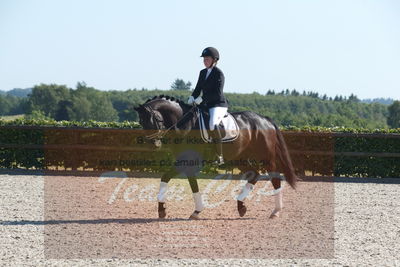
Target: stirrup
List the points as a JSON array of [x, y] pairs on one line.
[[219, 161]]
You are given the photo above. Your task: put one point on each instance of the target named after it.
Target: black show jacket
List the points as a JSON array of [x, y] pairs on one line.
[[212, 88]]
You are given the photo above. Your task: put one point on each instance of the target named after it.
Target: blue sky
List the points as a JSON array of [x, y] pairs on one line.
[[331, 47]]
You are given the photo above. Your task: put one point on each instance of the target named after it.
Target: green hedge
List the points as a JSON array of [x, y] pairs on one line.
[[316, 129], [302, 142], [87, 124], [40, 132], [341, 139]]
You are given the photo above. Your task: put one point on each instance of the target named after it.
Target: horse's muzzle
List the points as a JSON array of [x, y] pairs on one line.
[[154, 141], [157, 143]]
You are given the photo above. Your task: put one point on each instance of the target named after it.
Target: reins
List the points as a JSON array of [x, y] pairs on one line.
[[160, 132]]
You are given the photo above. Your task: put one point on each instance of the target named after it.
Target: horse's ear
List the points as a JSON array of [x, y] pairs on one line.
[[138, 108]]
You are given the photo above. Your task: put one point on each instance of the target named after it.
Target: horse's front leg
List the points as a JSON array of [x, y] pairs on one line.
[[197, 198], [247, 188], [162, 193]]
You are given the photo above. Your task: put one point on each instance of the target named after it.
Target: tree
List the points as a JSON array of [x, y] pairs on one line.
[[286, 107], [294, 93], [179, 84], [4, 106], [36, 115], [271, 92], [80, 110], [393, 119], [353, 98], [102, 108], [62, 113], [46, 98]]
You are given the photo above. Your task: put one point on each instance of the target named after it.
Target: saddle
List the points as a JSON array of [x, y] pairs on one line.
[[228, 126]]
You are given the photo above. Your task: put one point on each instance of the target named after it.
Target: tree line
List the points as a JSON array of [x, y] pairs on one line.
[[287, 107]]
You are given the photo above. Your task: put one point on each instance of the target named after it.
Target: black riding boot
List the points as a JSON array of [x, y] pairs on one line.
[[217, 137]]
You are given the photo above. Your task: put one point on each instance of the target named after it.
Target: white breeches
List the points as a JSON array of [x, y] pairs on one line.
[[216, 115]]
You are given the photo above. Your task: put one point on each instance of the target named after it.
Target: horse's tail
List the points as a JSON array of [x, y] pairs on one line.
[[285, 160]]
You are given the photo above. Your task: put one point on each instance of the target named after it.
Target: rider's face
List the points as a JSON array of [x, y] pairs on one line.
[[208, 61]]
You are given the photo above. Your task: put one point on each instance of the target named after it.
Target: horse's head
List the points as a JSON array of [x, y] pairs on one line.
[[149, 118], [157, 116]]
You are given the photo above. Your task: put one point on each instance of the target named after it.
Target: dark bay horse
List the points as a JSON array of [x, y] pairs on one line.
[[260, 147]]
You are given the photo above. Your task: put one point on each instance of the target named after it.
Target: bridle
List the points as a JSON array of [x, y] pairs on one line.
[[159, 123]]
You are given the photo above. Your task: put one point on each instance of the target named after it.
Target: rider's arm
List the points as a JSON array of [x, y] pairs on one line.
[[220, 83], [197, 89], [216, 95]]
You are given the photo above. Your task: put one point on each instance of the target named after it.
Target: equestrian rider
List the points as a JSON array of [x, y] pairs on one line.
[[211, 83]]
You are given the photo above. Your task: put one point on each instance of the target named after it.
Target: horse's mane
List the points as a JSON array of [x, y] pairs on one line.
[[168, 98]]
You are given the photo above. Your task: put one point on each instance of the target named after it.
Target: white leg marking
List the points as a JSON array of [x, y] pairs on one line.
[[198, 201], [162, 193], [247, 188]]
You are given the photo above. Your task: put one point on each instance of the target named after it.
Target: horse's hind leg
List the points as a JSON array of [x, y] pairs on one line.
[[162, 193], [276, 182], [247, 188], [197, 198]]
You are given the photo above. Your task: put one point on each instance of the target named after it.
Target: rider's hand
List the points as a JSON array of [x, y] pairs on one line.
[[190, 100], [198, 100]]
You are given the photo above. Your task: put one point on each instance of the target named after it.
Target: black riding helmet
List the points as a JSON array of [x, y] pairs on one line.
[[210, 52]]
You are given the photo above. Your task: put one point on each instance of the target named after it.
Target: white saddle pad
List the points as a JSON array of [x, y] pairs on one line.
[[230, 125]]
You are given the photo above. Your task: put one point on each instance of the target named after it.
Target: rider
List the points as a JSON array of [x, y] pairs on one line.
[[211, 83]]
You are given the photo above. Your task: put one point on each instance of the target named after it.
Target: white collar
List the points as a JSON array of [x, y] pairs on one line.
[[208, 72]]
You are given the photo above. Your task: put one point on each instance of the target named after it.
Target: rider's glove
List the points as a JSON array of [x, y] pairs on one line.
[[190, 100], [198, 100]]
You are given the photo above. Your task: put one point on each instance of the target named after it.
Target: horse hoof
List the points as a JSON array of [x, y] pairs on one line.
[[242, 211], [162, 214], [241, 208], [161, 210], [275, 214], [195, 216]]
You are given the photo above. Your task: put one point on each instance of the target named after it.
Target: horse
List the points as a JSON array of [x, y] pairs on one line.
[[260, 144]]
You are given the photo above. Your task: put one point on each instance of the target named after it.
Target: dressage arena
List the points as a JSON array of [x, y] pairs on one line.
[[79, 221]]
